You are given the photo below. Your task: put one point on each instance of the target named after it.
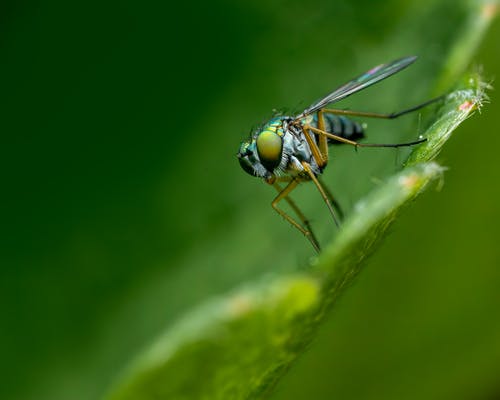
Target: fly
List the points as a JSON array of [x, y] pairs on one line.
[[294, 149]]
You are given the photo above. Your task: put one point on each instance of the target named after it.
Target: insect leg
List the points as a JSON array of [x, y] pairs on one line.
[[315, 150], [380, 115], [322, 140], [301, 216], [357, 144], [309, 171], [332, 199], [283, 194]]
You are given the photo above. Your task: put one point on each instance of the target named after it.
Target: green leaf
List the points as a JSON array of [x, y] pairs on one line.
[[239, 345], [458, 106], [124, 207]]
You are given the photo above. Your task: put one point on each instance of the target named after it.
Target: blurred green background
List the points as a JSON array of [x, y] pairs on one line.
[[123, 204]]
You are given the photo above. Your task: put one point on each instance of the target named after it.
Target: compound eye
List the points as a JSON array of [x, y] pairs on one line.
[[269, 147]]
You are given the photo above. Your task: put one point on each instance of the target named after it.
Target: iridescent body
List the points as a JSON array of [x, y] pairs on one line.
[[291, 146], [295, 149]]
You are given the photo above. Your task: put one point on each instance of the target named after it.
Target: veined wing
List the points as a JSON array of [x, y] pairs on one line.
[[369, 78]]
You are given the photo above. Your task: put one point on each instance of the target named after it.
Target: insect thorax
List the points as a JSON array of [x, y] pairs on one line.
[[296, 149]]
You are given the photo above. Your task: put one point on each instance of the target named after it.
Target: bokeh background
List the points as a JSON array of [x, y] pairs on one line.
[[123, 205]]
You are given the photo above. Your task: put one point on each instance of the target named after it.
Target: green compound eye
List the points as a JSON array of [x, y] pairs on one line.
[[269, 147]]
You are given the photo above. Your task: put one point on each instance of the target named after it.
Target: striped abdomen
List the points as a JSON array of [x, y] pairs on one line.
[[341, 126]]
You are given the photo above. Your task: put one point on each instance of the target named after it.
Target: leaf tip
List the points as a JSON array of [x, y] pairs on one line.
[[489, 10]]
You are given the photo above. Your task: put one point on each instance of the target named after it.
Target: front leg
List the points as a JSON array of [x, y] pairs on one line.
[[283, 194]]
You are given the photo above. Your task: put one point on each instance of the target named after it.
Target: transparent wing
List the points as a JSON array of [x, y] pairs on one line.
[[370, 77]]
